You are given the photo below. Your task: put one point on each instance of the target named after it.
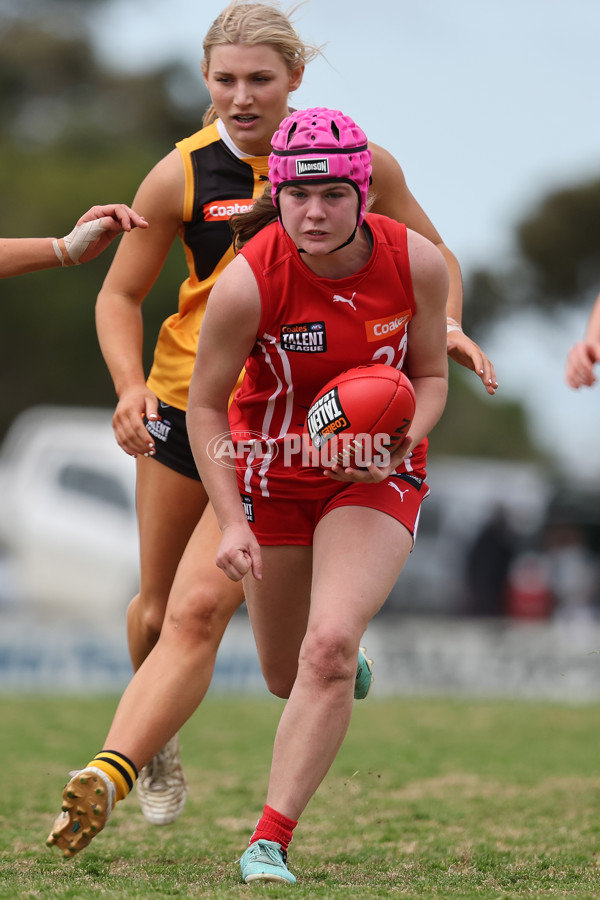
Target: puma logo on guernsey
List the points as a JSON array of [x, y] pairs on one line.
[[337, 298]]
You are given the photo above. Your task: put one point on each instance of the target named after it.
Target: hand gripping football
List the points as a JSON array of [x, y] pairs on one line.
[[360, 413]]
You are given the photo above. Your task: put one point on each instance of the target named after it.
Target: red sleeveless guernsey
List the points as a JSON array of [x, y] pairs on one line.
[[311, 329]]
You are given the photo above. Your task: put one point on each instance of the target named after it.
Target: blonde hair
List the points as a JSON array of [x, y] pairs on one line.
[[257, 23]]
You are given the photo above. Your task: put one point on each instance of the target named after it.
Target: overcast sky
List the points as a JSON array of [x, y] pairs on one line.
[[488, 105]]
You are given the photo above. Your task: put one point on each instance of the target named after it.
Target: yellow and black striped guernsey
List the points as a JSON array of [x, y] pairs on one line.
[[218, 184]]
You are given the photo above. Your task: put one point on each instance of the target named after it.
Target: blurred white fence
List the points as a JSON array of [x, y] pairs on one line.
[[413, 656]]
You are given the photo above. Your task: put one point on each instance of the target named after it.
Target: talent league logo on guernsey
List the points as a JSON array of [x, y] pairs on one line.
[[312, 166], [223, 210], [304, 337], [380, 328], [326, 418]]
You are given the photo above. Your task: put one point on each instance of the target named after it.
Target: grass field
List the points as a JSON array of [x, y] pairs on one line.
[[428, 798]]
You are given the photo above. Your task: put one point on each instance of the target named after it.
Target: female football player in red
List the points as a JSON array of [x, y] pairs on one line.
[[318, 550], [254, 59]]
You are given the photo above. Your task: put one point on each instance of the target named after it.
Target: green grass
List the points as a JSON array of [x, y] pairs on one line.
[[428, 798]]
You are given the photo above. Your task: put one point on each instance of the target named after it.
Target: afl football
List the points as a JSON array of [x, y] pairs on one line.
[[360, 414]]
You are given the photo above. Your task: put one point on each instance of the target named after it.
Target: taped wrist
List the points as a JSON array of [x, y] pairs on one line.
[[71, 248], [452, 325], [61, 252]]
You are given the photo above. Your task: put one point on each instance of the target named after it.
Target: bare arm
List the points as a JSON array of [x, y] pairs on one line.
[[21, 255], [426, 356], [91, 235], [394, 199], [136, 266], [227, 336], [584, 355]]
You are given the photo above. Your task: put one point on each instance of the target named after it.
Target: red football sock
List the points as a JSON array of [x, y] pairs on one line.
[[273, 826]]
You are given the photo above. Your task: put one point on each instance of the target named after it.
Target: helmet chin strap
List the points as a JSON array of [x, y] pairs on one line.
[[335, 249], [368, 236]]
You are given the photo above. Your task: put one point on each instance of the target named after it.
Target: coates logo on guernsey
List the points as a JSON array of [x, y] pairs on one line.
[[383, 328], [223, 210]]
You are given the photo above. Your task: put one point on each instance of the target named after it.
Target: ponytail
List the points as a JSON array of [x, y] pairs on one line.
[[209, 116], [246, 225]]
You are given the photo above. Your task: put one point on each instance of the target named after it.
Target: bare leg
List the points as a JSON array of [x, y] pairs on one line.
[[358, 554], [279, 631], [163, 693], [169, 506], [173, 680]]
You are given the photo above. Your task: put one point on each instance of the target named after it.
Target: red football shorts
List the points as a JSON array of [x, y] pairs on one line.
[[292, 520]]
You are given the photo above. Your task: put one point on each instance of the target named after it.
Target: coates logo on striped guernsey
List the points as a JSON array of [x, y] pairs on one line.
[[223, 210], [377, 329]]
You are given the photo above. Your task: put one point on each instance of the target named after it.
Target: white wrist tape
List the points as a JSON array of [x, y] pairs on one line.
[[452, 325], [71, 248], [58, 251]]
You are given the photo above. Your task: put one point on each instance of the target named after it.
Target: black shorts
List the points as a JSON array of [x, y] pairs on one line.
[[171, 440]]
